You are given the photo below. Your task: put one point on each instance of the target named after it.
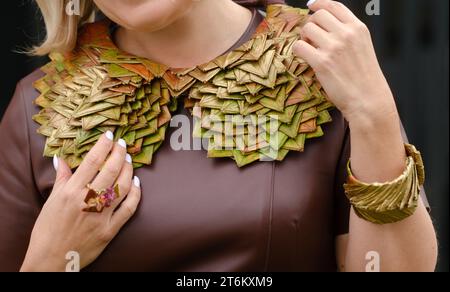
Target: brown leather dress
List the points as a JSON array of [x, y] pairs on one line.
[[196, 214]]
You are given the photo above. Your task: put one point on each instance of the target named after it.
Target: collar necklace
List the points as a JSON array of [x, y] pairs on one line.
[[260, 87]]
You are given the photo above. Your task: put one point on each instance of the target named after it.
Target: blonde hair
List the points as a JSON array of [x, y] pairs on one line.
[[62, 27]]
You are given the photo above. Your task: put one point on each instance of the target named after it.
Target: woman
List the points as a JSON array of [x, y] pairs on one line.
[[200, 214]]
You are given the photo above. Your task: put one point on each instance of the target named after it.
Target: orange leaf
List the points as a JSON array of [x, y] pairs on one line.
[[140, 70]]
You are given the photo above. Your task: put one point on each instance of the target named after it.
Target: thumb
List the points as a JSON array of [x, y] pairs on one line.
[[63, 172]]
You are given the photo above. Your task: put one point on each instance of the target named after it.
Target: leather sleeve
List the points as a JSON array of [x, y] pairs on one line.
[[342, 205], [20, 202]]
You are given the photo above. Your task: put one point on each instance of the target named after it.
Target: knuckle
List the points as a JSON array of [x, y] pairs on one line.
[[307, 31], [130, 209], [325, 62], [68, 193], [336, 47], [104, 143], [361, 27], [319, 14], [64, 197], [319, 68], [299, 47], [124, 188], [64, 176], [308, 26], [93, 160], [138, 197], [106, 235], [348, 35], [334, 5], [60, 180], [338, 5], [112, 170]]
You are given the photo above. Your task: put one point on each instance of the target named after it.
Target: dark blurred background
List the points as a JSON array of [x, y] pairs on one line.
[[412, 42]]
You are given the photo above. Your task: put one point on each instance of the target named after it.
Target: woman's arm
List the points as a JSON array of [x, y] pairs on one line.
[[338, 46], [409, 245]]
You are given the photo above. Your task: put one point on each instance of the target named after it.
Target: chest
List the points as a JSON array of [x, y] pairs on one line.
[[202, 214]]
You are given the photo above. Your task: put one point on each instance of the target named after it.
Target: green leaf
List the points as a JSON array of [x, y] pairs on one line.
[[145, 157], [115, 71]]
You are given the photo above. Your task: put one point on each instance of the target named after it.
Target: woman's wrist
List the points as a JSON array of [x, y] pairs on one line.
[[370, 118], [377, 153], [43, 264], [46, 265]]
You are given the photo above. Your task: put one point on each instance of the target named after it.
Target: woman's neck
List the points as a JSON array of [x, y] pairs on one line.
[[205, 32]]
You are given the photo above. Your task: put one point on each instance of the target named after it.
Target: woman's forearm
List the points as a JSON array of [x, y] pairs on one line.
[[339, 48], [378, 155]]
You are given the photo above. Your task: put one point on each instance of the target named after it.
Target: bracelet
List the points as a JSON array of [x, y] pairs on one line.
[[391, 202]]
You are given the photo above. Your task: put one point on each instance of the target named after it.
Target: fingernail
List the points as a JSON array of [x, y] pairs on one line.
[[128, 158], [109, 135], [137, 182], [122, 143], [310, 2], [55, 162]]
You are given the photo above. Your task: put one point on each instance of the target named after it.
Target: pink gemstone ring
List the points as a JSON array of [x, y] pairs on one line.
[[97, 200]]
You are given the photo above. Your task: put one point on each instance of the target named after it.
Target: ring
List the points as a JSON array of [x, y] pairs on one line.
[[97, 200]]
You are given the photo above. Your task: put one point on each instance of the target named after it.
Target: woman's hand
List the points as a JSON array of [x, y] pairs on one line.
[[62, 226], [339, 48]]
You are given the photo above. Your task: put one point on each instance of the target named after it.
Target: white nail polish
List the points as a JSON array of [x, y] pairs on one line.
[[128, 158], [137, 182], [310, 2], [109, 135], [55, 162], [122, 143]]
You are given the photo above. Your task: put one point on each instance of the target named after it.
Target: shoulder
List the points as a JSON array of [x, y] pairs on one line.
[[25, 87], [18, 117], [21, 105], [32, 77], [17, 125], [18, 121], [24, 143]]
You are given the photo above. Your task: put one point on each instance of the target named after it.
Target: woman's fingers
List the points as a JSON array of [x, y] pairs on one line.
[[124, 182], [326, 21], [315, 35], [112, 167], [339, 10], [306, 51], [92, 162], [128, 206]]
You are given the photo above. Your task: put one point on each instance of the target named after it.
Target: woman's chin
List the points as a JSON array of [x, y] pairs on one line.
[[145, 16]]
